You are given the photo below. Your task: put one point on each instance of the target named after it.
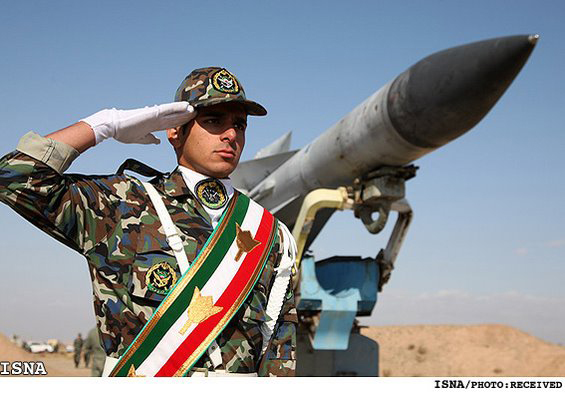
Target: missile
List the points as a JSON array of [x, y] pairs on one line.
[[433, 102]]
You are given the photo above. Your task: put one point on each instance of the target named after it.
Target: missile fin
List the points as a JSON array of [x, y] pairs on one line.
[[283, 205], [281, 145], [250, 173]]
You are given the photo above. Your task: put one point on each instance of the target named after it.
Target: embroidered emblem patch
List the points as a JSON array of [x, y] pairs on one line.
[[244, 241], [161, 278], [225, 82], [199, 309], [211, 193]]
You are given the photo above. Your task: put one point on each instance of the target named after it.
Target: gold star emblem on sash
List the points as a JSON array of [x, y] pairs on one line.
[[244, 241], [131, 372], [200, 309]]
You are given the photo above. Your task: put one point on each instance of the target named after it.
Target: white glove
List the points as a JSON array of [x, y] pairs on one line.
[[136, 125]]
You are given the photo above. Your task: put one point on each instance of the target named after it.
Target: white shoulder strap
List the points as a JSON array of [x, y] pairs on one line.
[[173, 238], [280, 286], [175, 242]]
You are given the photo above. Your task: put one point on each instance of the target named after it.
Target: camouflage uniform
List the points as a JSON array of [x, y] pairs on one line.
[[111, 221], [77, 345]]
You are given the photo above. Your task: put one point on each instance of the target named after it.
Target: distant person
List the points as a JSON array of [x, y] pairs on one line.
[[77, 344], [94, 352], [86, 356]]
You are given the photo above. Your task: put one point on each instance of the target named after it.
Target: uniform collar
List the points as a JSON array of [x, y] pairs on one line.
[[174, 185], [192, 178]]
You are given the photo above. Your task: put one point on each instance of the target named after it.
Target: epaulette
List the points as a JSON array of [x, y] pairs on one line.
[[139, 167]]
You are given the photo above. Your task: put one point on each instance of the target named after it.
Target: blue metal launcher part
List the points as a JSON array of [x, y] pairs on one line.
[[341, 288]]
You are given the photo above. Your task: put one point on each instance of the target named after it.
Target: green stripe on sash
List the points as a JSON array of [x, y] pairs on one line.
[[199, 279]]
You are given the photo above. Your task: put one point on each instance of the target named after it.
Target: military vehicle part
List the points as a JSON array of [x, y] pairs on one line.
[[332, 293], [341, 288], [433, 102], [318, 199], [377, 193], [360, 359]]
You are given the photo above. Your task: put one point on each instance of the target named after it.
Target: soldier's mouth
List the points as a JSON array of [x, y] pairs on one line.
[[226, 153]]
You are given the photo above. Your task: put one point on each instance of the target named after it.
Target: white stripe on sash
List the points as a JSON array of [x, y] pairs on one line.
[[214, 287]]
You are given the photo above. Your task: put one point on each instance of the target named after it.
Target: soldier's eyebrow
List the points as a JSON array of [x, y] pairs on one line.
[[213, 114], [220, 114]]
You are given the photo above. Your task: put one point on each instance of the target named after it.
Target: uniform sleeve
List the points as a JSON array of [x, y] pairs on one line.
[[279, 359], [67, 207]]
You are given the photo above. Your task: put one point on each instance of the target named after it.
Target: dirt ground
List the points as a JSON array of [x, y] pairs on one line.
[[56, 364], [426, 350], [465, 350]]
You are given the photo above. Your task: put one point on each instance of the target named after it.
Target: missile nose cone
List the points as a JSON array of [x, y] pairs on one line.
[[447, 93]]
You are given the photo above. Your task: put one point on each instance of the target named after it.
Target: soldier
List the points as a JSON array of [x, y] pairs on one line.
[[190, 277], [86, 354], [77, 344], [96, 353]]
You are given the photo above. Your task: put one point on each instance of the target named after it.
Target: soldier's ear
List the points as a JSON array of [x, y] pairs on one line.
[[177, 136], [173, 135]]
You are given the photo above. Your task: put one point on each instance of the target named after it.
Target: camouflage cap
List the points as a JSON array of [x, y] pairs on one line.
[[215, 85]]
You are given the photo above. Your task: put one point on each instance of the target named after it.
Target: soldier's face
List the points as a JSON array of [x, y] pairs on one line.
[[212, 143]]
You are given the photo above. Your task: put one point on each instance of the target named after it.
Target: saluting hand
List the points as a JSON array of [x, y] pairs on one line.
[[137, 125]]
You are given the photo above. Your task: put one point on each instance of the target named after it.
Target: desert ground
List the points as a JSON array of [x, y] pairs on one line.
[[426, 350], [464, 350], [56, 364]]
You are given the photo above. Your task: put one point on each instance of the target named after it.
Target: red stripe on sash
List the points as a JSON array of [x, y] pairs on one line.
[[226, 300]]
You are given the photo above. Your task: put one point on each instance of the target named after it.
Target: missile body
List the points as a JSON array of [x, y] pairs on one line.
[[431, 103]]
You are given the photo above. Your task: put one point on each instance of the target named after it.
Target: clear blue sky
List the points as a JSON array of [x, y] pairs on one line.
[[487, 244]]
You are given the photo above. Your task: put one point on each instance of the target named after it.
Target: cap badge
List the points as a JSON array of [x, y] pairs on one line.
[[161, 278], [211, 193], [225, 82]]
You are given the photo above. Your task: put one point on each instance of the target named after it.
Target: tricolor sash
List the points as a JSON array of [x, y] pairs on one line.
[[207, 296]]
